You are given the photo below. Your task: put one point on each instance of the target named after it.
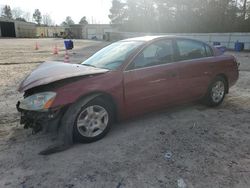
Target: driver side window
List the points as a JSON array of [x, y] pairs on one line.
[[157, 53]]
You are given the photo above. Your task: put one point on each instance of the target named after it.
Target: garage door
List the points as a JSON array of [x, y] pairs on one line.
[[7, 29], [91, 33]]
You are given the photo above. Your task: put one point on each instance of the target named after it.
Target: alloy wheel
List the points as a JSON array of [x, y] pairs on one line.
[[92, 121]]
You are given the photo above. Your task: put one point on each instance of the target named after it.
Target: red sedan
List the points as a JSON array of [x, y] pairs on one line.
[[125, 79]]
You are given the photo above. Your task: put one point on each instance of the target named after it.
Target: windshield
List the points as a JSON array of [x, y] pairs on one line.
[[112, 56]]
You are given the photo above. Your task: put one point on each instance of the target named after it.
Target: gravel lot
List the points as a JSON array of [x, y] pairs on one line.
[[206, 147]]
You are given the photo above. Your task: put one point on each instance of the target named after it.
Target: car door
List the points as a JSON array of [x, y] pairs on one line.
[[151, 80], [195, 63]]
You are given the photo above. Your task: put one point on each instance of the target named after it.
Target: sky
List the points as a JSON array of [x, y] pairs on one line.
[[96, 11]]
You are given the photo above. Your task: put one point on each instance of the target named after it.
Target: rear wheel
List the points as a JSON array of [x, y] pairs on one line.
[[216, 92]]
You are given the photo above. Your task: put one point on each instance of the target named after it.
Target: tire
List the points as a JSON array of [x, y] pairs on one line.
[[84, 123], [216, 92]]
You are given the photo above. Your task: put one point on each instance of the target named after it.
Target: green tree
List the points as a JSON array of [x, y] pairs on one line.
[[83, 21], [6, 12], [68, 21], [117, 12], [181, 15], [37, 16]]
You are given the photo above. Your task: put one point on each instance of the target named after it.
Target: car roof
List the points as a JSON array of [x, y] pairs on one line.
[[153, 37], [148, 38]]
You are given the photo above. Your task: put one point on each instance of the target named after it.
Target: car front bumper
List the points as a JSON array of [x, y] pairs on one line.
[[40, 120]]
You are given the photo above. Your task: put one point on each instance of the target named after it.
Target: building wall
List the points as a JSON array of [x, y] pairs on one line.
[[226, 39], [41, 32], [97, 31], [50, 31], [25, 29], [77, 31], [22, 29]]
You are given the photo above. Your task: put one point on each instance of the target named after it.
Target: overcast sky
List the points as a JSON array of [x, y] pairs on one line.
[[95, 10]]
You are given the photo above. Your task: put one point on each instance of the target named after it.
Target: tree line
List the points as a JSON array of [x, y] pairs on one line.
[[181, 15], [37, 16]]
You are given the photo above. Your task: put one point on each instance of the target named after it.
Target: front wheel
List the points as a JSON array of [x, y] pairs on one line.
[[90, 121], [93, 121], [216, 92]]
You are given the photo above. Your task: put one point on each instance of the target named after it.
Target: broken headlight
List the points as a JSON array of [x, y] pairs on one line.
[[39, 101]]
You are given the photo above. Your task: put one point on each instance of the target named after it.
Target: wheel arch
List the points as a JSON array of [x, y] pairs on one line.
[[105, 96], [226, 79]]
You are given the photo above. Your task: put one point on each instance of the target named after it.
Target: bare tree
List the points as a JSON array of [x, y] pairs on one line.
[[27, 16], [244, 11], [47, 20], [17, 12]]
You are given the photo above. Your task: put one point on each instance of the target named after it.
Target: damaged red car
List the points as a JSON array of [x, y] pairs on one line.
[[125, 79]]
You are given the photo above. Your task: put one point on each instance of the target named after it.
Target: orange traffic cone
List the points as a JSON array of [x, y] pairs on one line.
[[36, 47], [66, 57], [55, 50]]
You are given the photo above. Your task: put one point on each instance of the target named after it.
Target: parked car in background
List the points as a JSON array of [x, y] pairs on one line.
[[125, 79]]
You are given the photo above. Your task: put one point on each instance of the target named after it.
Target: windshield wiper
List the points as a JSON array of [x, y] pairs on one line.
[[95, 66], [89, 65]]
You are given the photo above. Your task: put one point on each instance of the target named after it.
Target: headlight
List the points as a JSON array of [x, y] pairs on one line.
[[39, 101]]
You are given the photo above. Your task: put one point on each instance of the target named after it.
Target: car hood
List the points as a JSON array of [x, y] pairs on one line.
[[52, 71]]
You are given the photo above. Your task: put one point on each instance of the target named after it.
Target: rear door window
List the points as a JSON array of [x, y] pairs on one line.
[[189, 49]]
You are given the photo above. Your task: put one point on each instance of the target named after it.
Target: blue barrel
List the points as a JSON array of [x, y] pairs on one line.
[[216, 43], [69, 45], [239, 46]]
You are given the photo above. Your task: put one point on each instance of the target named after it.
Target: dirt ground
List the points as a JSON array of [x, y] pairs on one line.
[[187, 146]]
